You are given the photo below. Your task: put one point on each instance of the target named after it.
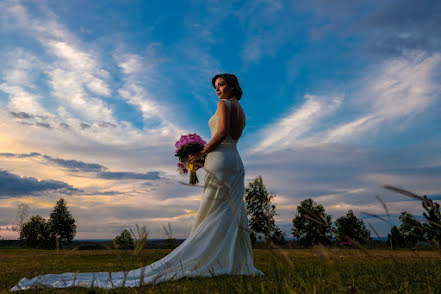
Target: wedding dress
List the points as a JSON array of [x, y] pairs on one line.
[[219, 242]]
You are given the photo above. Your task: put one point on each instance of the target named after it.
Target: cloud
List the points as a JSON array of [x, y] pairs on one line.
[[21, 100], [399, 88], [387, 28], [21, 115], [85, 167], [343, 177], [14, 185], [75, 85], [287, 130], [71, 86], [20, 68], [25, 118], [73, 71], [396, 89], [128, 176], [131, 63], [414, 26], [73, 165], [142, 80]]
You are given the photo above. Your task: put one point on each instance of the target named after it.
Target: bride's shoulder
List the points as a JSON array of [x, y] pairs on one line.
[[223, 102]]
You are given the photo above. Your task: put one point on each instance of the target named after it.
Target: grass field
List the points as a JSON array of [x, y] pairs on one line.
[[286, 271]]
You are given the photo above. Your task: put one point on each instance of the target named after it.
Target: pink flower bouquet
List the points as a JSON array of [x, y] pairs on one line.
[[185, 146]]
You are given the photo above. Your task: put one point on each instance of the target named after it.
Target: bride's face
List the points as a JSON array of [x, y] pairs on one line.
[[223, 91]]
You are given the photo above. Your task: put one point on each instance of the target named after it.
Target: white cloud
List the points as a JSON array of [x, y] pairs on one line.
[[131, 63], [139, 71], [73, 71], [398, 88], [289, 129], [77, 59], [20, 67], [137, 96], [21, 100], [404, 85], [68, 87], [79, 83], [353, 128]]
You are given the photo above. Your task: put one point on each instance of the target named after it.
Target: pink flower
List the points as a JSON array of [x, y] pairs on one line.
[[189, 139]]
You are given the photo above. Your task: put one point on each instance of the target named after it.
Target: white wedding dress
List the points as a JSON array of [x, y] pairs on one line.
[[219, 242]]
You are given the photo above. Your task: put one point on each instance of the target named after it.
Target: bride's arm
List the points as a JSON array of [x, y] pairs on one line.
[[223, 124]]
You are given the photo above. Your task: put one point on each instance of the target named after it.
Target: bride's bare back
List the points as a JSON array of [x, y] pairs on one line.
[[237, 120]]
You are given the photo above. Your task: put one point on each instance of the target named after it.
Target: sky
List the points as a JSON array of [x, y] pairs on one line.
[[341, 98]]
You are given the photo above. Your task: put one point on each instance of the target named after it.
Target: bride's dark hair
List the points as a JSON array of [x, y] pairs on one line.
[[231, 81]]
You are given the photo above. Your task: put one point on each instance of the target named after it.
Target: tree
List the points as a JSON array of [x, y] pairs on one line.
[[261, 212], [21, 216], [350, 228], [124, 241], [411, 229], [311, 225], [62, 224], [395, 239], [433, 219], [36, 233]]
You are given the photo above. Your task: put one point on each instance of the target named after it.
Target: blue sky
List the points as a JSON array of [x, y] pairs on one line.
[[340, 100]]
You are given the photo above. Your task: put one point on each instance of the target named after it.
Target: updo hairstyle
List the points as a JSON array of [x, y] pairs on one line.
[[231, 81]]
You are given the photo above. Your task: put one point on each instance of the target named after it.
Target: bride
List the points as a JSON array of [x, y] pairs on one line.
[[219, 242]]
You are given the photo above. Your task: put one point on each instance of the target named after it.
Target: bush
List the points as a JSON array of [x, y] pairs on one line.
[[123, 241]]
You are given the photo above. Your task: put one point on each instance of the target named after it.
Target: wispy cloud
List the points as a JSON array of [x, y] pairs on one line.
[[20, 68], [402, 87], [73, 70], [398, 88], [77, 85], [81, 167], [284, 133], [129, 175], [22, 100]]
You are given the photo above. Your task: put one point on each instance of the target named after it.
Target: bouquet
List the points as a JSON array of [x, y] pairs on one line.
[[185, 146]]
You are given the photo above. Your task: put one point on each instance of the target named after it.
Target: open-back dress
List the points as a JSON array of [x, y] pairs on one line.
[[219, 242]]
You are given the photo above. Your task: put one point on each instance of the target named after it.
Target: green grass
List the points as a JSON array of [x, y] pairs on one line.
[[286, 271]]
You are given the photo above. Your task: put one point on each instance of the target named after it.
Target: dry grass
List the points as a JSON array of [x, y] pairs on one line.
[[318, 270]]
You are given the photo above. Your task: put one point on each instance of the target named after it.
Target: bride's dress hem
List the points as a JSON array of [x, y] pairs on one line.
[[108, 284]]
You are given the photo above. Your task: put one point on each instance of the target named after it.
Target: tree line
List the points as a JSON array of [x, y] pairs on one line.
[[411, 231], [311, 225]]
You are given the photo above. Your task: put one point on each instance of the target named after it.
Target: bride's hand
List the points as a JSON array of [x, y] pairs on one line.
[[199, 164], [195, 157]]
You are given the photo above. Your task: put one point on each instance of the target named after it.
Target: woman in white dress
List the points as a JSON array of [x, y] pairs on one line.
[[219, 242]]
